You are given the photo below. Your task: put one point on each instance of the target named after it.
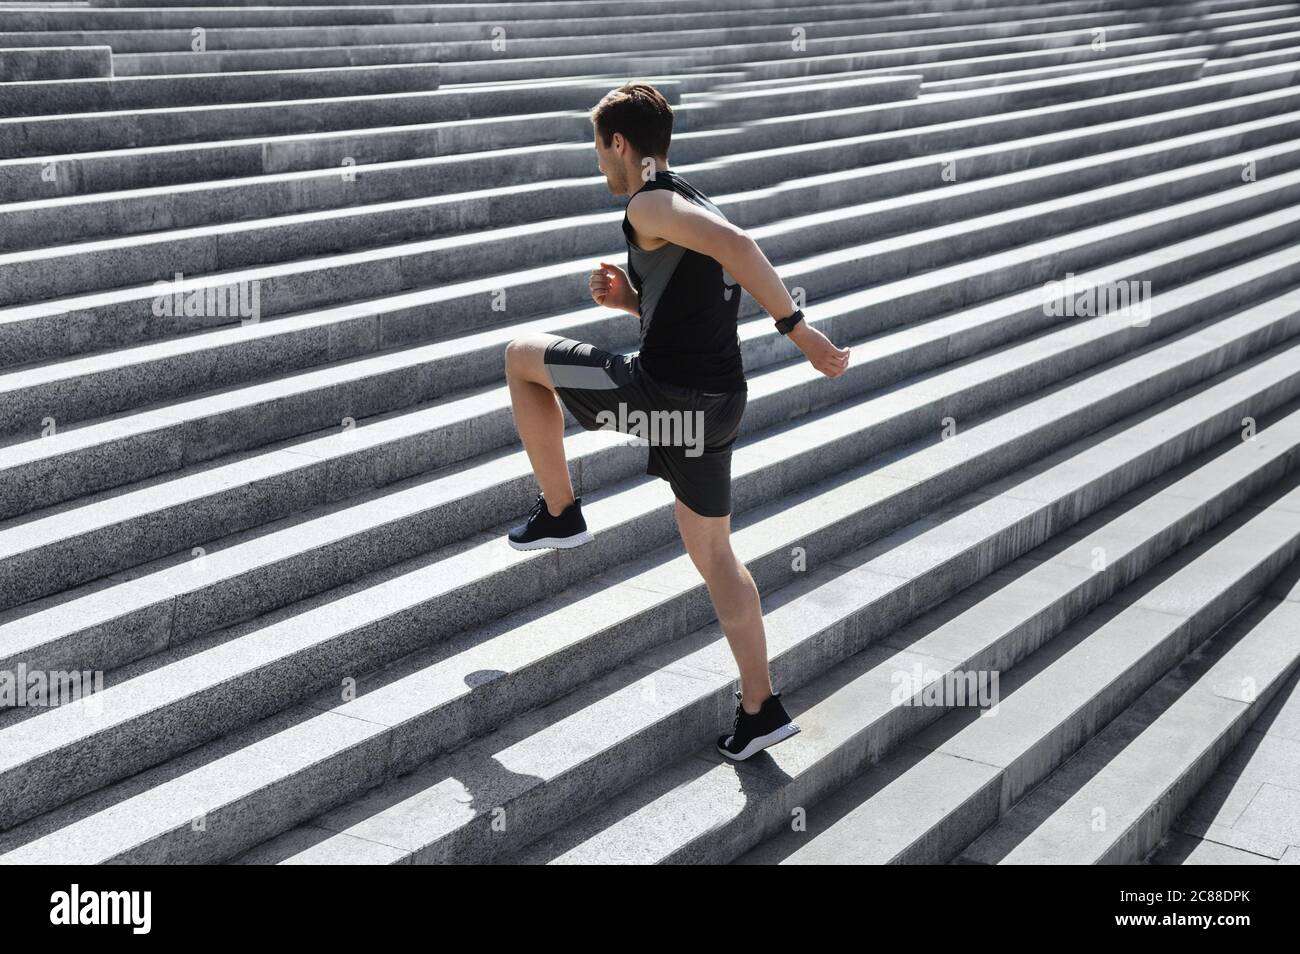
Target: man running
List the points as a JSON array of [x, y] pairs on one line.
[[686, 267]]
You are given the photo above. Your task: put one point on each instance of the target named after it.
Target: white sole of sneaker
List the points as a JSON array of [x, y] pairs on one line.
[[761, 742], [553, 543]]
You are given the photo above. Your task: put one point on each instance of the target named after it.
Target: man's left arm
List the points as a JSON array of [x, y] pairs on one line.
[[666, 215]]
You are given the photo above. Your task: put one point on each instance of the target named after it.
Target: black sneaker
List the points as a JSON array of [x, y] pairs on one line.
[[753, 733], [542, 530]]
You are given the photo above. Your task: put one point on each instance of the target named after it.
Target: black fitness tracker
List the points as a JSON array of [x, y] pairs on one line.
[[786, 325]]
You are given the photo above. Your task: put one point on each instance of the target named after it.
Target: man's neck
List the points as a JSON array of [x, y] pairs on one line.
[[661, 165]]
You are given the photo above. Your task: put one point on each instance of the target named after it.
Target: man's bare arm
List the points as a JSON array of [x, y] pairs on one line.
[[664, 214]]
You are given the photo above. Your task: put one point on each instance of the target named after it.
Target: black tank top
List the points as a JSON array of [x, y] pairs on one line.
[[689, 306]]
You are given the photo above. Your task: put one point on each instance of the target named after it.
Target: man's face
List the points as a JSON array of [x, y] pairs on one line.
[[610, 163]]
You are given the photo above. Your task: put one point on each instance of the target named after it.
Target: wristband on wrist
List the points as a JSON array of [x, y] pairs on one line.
[[786, 325]]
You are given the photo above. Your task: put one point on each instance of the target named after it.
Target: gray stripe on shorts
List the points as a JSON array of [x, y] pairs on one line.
[[582, 376]]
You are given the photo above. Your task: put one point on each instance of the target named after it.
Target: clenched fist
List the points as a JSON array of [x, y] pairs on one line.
[[611, 287]]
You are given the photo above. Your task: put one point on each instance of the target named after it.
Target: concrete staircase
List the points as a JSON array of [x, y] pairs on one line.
[[258, 268]]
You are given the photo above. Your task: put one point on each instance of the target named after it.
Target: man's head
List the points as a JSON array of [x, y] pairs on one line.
[[632, 124]]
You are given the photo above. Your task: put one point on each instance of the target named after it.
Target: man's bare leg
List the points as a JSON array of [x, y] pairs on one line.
[[735, 597], [538, 418]]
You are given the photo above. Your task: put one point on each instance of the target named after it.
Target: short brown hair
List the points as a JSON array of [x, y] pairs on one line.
[[640, 113]]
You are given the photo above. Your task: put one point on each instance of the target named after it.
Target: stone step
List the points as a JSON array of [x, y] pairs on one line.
[[987, 80], [1256, 27], [1229, 67], [290, 58], [1273, 41], [55, 63], [982, 68], [122, 129], [38, 98]]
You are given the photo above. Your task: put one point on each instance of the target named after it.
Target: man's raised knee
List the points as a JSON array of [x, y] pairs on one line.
[[526, 357]]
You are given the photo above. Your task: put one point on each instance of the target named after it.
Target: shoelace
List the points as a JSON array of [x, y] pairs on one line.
[[537, 509], [735, 726]]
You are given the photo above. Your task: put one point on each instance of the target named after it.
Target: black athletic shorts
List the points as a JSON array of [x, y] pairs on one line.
[[690, 432]]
